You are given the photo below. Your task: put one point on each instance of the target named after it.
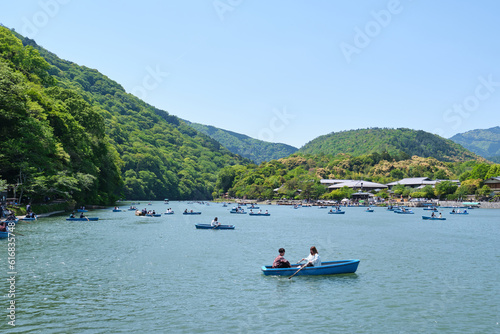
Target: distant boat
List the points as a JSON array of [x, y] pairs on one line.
[[259, 214], [326, 268], [238, 211], [81, 210], [210, 227], [25, 218], [191, 213], [459, 213], [432, 218], [168, 213], [153, 214], [404, 211], [369, 210], [83, 219], [336, 212], [117, 210]]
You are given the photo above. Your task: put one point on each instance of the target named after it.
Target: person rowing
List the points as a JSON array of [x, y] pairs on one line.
[[215, 223], [313, 259]]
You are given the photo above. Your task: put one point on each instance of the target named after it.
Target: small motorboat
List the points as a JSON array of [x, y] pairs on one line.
[[326, 268], [210, 227]]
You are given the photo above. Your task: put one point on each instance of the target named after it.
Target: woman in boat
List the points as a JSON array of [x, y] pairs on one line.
[[280, 261], [440, 215], [433, 215], [313, 259], [72, 215], [215, 222]]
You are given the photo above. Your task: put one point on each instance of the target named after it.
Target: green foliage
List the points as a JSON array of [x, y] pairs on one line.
[[399, 143], [253, 149], [484, 142], [445, 188]]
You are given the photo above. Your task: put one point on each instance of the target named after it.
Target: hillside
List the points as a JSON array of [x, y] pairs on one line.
[[157, 155], [484, 142], [400, 142], [253, 149]]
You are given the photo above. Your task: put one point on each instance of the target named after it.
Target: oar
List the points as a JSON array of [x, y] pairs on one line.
[[295, 273]]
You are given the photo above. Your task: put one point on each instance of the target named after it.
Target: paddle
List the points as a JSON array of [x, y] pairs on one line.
[[295, 273]]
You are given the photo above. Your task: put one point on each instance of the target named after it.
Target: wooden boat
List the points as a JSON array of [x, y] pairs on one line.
[[210, 227], [259, 214], [191, 213], [326, 268], [82, 219], [432, 218], [336, 212]]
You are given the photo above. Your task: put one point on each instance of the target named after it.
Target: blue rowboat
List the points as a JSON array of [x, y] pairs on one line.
[[168, 213], [210, 227], [153, 215], [432, 218], [459, 213], [239, 212], [191, 213], [326, 268], [81, 210], [431, 208], [83, 219], [258, 214], [117, 210], [369, 210], [13, 221], [336, 212], [27, 218], [4, 234], [405, 212]]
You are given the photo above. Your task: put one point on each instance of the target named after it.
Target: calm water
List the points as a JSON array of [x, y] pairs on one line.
[[161, 275]]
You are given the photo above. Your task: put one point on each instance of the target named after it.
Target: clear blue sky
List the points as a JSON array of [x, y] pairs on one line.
[[287, 71]]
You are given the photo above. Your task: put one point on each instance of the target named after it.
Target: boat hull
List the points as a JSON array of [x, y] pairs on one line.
[[191, 213], [459, 213], [259, 214], [326, 268], [336, 212], [210, 227], [83, 219]]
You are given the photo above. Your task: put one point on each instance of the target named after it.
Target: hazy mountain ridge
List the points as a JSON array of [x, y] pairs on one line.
[[484, 142], [251, 148]]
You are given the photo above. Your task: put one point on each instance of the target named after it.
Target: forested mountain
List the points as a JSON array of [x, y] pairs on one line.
[[68, 131], [484, 142], [256, 150], [402, 142]]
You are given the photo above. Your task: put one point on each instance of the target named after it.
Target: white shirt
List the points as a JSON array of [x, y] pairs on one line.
[[215, 223], [314, 259]]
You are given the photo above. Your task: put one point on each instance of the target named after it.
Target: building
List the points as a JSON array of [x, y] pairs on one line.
[[413, 182], [360, 185], [493, 183]]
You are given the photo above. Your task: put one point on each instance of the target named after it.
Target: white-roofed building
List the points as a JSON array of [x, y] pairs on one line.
[[353, 184]]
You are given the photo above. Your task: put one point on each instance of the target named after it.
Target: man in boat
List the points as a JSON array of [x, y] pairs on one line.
[[280, 261], [433, 215], [313, 259], [72, 215], [440, 215], [215, 222], [82, 215]]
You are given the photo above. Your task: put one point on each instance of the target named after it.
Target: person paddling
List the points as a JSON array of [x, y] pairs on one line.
[[313, 259], [280, 261], [215, 222]]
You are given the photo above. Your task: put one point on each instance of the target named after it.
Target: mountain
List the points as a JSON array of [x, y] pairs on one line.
[[253, 149], [484, 142], [403, 142], [67, 129]]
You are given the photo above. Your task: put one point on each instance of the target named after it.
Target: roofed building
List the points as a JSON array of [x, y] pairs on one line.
[[353, 184], [493, 183]]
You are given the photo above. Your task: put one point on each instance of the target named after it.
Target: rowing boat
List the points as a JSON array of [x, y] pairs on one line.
[[326, 268], [433, 218], [210, 227], [83, 219]]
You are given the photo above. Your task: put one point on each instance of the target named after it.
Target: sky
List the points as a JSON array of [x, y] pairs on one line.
[[287, 71]]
